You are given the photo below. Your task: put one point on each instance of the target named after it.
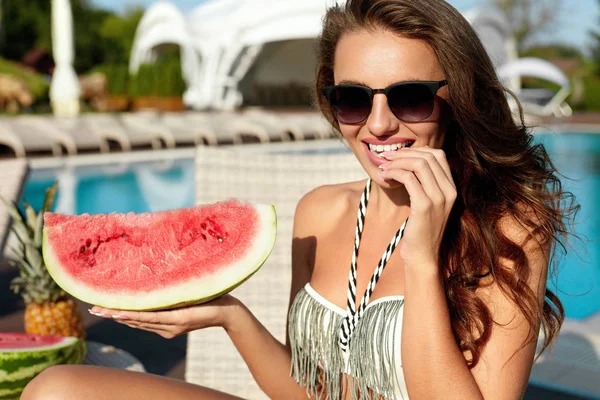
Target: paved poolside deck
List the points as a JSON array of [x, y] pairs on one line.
[[159, 356]]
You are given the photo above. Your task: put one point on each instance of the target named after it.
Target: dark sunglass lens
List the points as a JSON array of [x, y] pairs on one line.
[[411, 102], [350, 104]]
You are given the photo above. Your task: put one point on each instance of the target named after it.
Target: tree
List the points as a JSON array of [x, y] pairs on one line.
[[595, 50], [530, 18], [28, 27], [118, 33]]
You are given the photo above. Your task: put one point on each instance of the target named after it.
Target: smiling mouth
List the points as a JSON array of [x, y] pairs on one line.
[[379, 149]]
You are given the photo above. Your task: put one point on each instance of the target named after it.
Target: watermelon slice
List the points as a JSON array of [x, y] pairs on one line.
[[160, 260], [24, 356]]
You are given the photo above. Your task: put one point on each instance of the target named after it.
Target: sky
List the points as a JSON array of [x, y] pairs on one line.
[[577, 19]]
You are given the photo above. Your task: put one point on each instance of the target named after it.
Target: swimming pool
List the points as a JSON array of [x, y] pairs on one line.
[[140, 186]]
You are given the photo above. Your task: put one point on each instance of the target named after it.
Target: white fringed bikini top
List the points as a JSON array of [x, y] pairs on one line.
[[373, 357], [364, 342]]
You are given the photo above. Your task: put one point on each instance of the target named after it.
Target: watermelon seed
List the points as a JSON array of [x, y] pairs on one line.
[[88, 242], [203, 236], [124, 235], [82, 250], [203, 225]]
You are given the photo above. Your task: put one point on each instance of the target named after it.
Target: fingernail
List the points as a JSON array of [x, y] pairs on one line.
[[97, 314]]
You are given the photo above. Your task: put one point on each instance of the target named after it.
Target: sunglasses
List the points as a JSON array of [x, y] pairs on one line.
[[408, 101]]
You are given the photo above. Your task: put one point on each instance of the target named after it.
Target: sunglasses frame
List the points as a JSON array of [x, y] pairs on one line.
[[433, 86]]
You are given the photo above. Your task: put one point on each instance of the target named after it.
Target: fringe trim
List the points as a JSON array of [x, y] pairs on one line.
[[318, 361]]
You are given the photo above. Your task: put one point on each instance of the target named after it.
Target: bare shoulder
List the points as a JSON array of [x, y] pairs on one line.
[[535, 251], [320, 209]]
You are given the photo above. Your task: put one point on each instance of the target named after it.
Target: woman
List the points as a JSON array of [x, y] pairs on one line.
[[454, 306]]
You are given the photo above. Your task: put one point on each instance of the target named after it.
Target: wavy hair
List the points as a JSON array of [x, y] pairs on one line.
[[496, 166]]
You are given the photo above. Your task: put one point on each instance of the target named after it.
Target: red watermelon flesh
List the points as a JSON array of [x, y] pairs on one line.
[[10, 341], [134, 259], [24, 356]]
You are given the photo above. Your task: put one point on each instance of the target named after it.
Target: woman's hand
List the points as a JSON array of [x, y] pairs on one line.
[[426, 175], [172, 323]]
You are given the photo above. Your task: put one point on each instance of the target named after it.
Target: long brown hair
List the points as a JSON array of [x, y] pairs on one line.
[[496, 166]]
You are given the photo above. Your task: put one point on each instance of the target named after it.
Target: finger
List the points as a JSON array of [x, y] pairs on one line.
[[439, 162], [164, 332], [418, 198], [421, 168], [152, 317]]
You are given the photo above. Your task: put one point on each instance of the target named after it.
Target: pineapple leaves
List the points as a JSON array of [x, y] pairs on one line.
[[50, 196], [34, 282], [31, 216], [38, 230]]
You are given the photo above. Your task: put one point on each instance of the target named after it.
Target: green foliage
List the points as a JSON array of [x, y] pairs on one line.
[[117, 77], [117, 34], [100, 36], [595, 49], [591, 95], [162, 78], [36, 83], [554, 51]]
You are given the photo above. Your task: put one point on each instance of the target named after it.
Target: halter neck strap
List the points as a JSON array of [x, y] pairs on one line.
[[352, 314]]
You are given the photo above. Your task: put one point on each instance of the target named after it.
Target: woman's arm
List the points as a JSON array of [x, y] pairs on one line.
[[268, 359], [433, 364]]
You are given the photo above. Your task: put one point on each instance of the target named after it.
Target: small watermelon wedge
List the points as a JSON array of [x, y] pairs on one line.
[[161, 260], [24, 356]]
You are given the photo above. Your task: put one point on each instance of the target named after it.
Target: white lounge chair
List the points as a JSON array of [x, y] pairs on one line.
[[233, 127], [540, 102], [13, 174], [310, 123], [573, 363], [144, 128], [496, 35], [278, 129], [281, 180], [106, 126], [185, 128], [11, 140], [35, 137]]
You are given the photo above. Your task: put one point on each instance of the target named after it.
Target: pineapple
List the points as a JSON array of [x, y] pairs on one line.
[[49, 310]]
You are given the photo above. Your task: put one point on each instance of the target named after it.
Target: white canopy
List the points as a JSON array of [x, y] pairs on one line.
[[226, 42]]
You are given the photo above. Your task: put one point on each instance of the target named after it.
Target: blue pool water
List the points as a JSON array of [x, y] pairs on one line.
[[148, 187]]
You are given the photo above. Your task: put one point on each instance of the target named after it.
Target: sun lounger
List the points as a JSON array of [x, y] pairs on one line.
[[11, 140], [186, 128], [311, 123], [232, 127], [281, 180], [106, 126], [573, 364], [278, 129], [538, 101], [37, 137], [144, 128], [13, 174], [496, 35]]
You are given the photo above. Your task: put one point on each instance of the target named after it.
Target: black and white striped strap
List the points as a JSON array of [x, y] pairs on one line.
[[353, 315]]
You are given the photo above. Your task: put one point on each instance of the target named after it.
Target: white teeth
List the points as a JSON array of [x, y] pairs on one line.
[[388, 147]]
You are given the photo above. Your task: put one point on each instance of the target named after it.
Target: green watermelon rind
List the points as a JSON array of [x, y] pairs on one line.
[[152, 301], [18, 368]]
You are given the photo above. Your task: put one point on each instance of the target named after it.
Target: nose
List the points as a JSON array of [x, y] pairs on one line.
[[381, 121]]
